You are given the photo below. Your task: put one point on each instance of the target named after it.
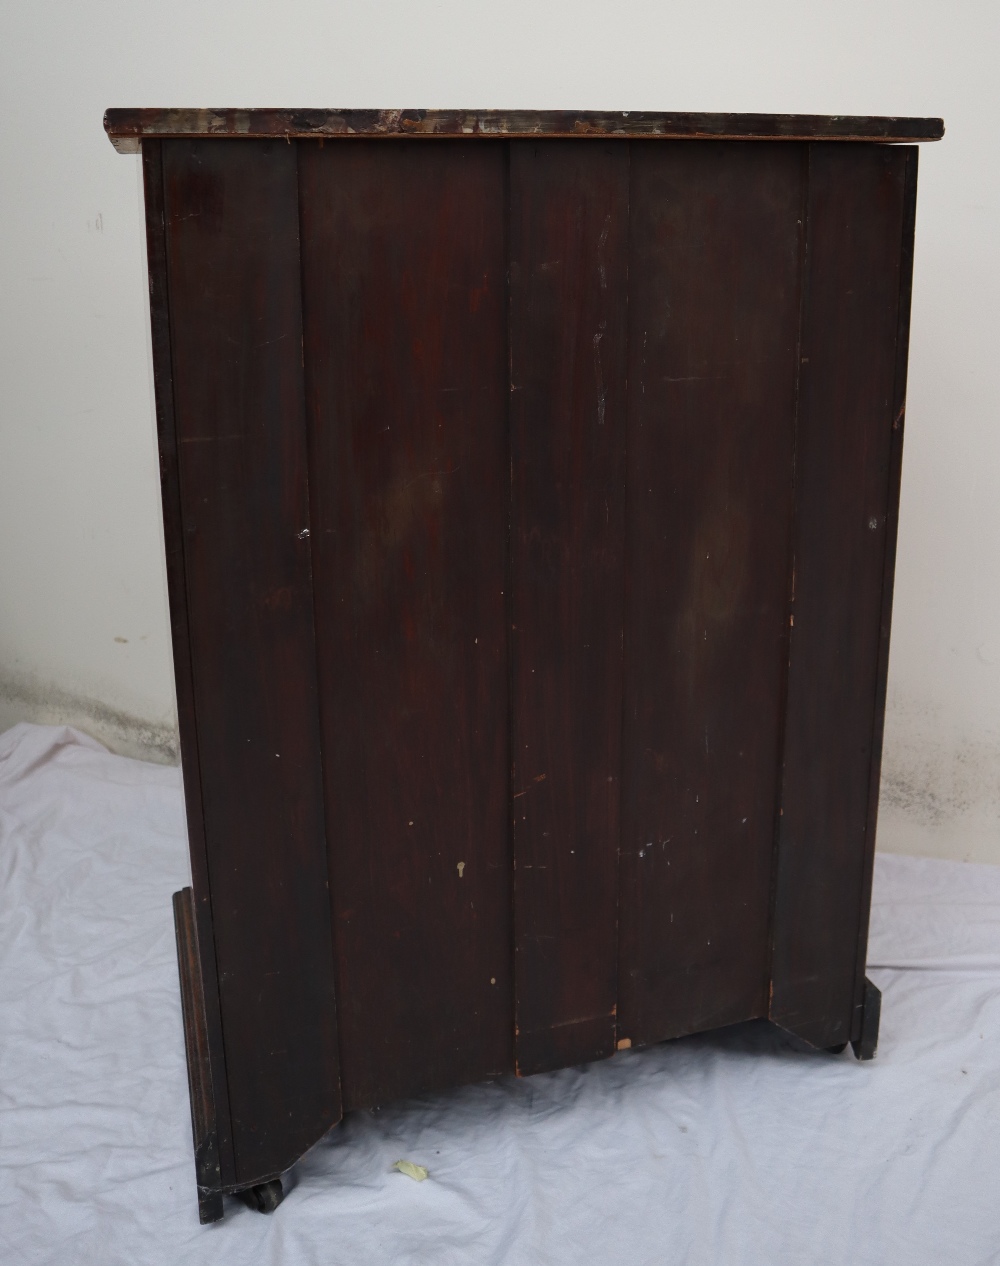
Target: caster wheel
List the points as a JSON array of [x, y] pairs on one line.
[[265, 1198], [838, 1049]]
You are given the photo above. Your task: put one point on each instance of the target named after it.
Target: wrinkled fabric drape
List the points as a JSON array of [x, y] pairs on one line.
[[730, 1148]]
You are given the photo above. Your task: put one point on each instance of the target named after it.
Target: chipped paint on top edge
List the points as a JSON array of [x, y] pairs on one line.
[[389, 120]]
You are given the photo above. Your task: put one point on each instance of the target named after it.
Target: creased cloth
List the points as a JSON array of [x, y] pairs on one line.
[[724, 1149]]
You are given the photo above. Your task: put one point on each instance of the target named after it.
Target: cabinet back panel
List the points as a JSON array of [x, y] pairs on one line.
[[530, 507]]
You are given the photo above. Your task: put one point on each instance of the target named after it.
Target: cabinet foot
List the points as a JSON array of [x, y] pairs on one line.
[[210, 1207], [871, 1009]]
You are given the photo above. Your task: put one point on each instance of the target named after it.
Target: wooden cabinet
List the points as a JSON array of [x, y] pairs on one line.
[[530, 487]]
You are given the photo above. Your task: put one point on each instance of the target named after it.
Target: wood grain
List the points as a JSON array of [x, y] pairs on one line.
[[405, 347], [530, 513], [173, 536], [233, 275], [844, 514], [713, 321], [568, 313], [199, 1059], [863, 989], [126, 127]]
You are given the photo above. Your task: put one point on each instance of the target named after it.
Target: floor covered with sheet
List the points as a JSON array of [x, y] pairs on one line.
[[733, 1148]]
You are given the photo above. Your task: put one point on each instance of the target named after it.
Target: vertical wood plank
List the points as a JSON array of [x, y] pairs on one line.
[[204, 1127], [405, 337], [173, 539], [233, 275], [568, 311], [845, 517], [713, 320], [888, 569]]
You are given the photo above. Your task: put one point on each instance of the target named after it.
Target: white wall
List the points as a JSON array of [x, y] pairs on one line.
[[83, 624]]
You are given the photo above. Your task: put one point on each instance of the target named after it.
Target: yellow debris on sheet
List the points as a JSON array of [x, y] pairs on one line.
[[416, 1172]]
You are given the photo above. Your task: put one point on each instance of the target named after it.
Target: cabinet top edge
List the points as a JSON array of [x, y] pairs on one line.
[[127, 127]]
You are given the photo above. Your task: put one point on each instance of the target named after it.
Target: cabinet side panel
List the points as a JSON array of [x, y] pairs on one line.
[[889, 567], [714, 268], [568, 306], [855, 220], [233, 265], [173, 538], [406, 367]]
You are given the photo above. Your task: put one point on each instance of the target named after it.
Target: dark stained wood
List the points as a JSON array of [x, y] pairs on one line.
[[530, 515], [869, 1012], [233, 274], [173, 535], [405, 347], [713, 326], [863, 988], [568, 312], [199, 1059], [126, 127], [845, 514]]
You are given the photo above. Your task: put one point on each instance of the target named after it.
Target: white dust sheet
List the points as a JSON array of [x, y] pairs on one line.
[[730, 1148]]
